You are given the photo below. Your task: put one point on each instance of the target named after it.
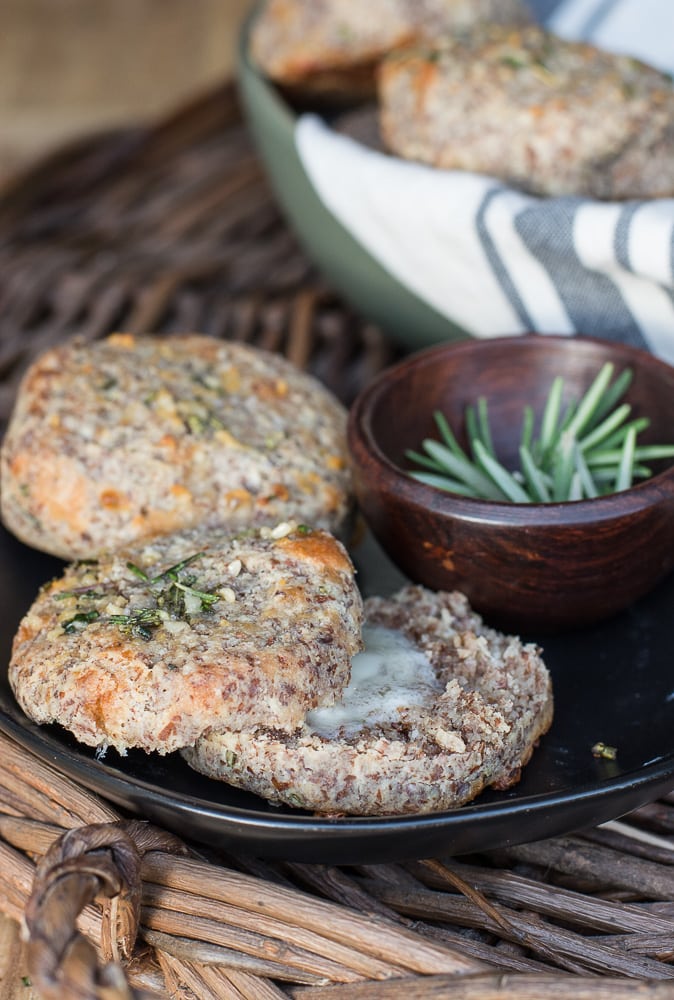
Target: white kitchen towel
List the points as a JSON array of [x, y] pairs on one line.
[[496, 261], [640, 28]]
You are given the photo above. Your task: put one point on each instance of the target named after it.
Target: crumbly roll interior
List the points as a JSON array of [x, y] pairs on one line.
[[469, 719]]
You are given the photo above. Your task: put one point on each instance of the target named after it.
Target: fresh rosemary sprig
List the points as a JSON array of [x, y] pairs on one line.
[[179, 597], [175, 597], [584, 450]]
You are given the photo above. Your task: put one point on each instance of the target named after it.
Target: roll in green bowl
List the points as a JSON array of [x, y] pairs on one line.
[[435, 255], [345, 262]]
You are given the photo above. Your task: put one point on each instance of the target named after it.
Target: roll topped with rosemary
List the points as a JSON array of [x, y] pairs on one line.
[[153, 646], [130, 437]]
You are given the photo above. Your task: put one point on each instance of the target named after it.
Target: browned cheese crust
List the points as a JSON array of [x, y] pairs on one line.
[[294, 40], [494, 701], [140, 651], [130, 437], [547, 115]]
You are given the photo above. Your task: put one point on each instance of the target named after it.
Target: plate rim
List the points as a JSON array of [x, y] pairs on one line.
[[557, 806], [46, 747]]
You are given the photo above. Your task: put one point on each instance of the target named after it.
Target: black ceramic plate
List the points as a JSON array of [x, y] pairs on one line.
[[613, 682]]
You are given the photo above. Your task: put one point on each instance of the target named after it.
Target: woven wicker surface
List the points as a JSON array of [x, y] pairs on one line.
[[589, 916], [174, 228], [167, 229]]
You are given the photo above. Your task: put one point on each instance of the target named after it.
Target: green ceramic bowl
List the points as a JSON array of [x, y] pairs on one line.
[[348, 267]]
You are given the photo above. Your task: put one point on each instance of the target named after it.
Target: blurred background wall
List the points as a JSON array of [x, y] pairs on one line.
[[72, 66]]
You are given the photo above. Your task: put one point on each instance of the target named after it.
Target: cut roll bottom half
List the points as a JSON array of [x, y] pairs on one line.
[[439, 707]]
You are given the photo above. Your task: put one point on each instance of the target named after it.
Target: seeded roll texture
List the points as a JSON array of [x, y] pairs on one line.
[[295, 40], [463, 711], [152, 646], [550, 116], [122, 439]]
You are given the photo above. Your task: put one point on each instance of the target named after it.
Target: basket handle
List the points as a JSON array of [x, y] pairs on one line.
[[86, 863]]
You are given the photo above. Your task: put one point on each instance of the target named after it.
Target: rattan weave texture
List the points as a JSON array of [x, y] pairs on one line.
[[167, 229]]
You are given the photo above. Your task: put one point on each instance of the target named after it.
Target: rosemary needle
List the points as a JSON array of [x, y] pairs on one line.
[[584, 449]]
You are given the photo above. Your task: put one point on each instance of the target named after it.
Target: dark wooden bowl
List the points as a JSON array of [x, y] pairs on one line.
[[530, 567]]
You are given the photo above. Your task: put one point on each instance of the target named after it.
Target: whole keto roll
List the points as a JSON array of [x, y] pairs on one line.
[[130, 437], [549, 116]]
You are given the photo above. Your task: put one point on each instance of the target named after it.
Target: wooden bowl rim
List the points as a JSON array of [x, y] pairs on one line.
[[640, 496]]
